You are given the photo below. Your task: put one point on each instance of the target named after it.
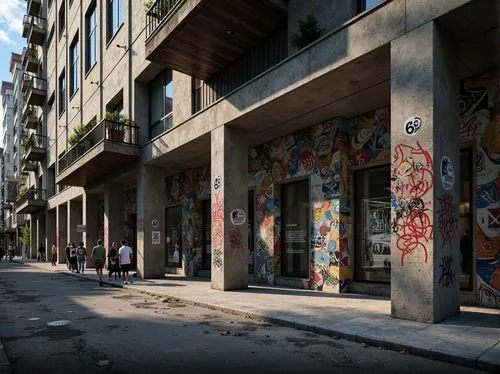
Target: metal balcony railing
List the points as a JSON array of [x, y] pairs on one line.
[[27, 19], [157, 13], [106, 130], [34, 141], [33, 194], [25, 81], [36, 83]]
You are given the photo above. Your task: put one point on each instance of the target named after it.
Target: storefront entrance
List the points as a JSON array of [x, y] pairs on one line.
[[206, 249], [295, 229], [372, 228], [173, 237]]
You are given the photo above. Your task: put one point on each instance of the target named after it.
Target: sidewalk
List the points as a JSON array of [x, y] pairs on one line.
[[469, 339]]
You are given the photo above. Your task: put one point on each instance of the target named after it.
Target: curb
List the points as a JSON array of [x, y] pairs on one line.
[[375, 342]]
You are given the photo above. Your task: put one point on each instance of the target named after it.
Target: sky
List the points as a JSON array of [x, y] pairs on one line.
[[11, 19]]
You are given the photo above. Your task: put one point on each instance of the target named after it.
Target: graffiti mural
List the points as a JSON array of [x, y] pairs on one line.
[[370, 137], [480, 122], [189, 188], [412, 178]]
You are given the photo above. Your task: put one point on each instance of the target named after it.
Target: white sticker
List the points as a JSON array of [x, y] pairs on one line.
[[58, 323], [238, 217], [217, 182], [412, 125], [447, 173], [155, 223], [155, 237]]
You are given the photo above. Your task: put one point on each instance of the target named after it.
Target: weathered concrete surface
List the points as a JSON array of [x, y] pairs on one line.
[[229, 169], [62, 233], [113, 214], [359, 318], [113, 330], [425, 239]]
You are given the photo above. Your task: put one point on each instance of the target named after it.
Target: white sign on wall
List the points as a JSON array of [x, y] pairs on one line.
[[238, 217], [155, 237], [412, 125]]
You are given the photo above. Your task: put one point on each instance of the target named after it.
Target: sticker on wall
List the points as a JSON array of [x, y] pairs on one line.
[[412, 125], [217, 182], [447, 173], [155, 223], [238, 217], [155, 237]]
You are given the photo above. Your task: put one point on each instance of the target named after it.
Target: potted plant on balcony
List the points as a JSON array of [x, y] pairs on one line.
[[32, 53], [115, 126], [27, 142], [78, 140], [22, 190]]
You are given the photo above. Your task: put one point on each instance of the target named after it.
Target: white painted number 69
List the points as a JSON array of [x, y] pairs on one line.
[[412, 125]]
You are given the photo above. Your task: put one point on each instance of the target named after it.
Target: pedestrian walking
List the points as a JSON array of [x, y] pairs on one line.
[[41, 252], [113, 265], [98, 257], [68, 256], [81, 257], [24, 250], [54, 254], [73, 254], [125, 257]]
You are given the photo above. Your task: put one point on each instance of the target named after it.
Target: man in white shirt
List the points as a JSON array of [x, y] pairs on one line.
[[125, 257]]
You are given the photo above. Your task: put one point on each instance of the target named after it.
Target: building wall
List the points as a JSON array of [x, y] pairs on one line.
[[480, 124]]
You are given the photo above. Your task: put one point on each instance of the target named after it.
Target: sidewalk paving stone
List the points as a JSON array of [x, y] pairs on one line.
[[470, 338]]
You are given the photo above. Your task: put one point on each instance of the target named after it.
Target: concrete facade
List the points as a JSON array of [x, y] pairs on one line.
[[325, 115]]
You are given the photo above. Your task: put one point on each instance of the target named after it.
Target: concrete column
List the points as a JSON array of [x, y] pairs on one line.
[[40, 233], [113, 214], [151, 201], [229, 168], [90, 213], [33, 237], [75, 218], [425, 259], [50, 232], [62, 232]]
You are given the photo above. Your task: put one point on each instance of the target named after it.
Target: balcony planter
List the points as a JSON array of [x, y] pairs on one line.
[[117, 136], [115, 126]]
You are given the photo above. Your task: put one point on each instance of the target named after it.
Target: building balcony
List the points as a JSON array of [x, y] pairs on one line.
[[34, 7], [36, 91], [29, 118], [25, 81], [7, 206], [29, 166], [26, 25], [35, 147], [201, 37], [30, 60], [105, 148], [37, 30], [31, 202]]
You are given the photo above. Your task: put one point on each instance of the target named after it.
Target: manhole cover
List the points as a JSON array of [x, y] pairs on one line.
[[58, 323]]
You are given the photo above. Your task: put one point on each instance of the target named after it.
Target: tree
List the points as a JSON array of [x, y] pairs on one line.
[[309, 31], [25, 235]]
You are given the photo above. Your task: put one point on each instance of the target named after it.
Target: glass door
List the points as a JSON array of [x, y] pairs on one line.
[[173, 237], [372, 225], [295, 229], [207, 235]]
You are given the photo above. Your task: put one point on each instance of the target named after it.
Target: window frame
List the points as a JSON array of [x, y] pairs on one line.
[[112, 26], [62, 92], [90, 35], [61, 15], [74, 72]]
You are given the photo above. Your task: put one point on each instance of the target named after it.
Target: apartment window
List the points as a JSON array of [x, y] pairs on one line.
[[50, 37], [74, 55], [366, 4], [91, 36], [160, 103], [62, 92], [115, 16], [62, 18]]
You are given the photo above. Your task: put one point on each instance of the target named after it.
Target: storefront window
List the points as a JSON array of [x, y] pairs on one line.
[[465, 224], [173, 237], [295, 229], [373, 235]]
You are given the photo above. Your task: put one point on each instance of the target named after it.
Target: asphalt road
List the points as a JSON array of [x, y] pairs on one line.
[[110, 330]]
